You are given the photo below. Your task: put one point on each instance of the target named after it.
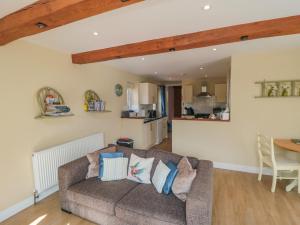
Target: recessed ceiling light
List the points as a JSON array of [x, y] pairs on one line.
[[206, 7], [143, 59], [214, 49], [201, 68], [95, 33]]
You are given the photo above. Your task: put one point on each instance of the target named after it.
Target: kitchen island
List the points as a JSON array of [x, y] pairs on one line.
[[145, 132]]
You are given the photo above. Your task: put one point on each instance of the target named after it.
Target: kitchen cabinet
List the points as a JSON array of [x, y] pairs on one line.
[[187, 94], [147, 93], [164, 127], [150, 134], [145, 135], [221, 92]]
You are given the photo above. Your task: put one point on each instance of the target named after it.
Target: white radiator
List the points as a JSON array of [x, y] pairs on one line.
[[47, 161]]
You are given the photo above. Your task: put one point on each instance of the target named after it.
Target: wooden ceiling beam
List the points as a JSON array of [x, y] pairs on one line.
[[249, 31], [44, 15]]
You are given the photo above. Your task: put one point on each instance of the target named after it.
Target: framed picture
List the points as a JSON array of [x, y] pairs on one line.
[[285, 89], [271, 89], [297, 88]]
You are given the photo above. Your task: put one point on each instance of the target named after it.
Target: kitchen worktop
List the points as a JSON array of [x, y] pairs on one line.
[[146, 119], [200, 119]]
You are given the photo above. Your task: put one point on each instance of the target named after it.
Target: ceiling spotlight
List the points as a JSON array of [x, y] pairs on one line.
[[95, 33], [214, 49], [201, 68], [206, 7], [41, 25], [143, 59]]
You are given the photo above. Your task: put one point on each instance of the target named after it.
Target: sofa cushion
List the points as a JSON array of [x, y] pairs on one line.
[[144, 206], [128, 151], [101, 195], [167, 156]]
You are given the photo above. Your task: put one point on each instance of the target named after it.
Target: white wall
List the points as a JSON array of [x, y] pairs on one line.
[[24, 68], [234, 141]]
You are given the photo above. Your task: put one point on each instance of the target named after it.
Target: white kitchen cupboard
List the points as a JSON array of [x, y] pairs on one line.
[[145, 135], [147, 93], [221, 92], [165, 127], [187, 94]]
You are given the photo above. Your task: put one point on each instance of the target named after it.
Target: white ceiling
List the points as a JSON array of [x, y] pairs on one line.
[[161, 18]]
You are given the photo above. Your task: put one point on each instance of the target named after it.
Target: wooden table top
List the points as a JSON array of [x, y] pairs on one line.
[[287, 144]]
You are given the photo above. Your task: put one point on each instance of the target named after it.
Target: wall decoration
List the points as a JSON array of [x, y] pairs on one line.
[[51, 103], [118, 90], [93, 103], [284, 88]]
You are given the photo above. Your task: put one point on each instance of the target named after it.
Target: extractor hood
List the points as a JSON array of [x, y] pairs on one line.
[[204, 92]]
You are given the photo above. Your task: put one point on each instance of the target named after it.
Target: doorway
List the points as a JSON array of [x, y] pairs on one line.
[[174, 104]]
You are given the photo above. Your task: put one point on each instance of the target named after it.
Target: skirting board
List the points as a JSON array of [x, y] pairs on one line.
[[5, 214], [241, 168], [9, 212]]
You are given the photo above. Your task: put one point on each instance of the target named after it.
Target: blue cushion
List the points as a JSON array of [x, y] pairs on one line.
[[107, 155], [171, 177]]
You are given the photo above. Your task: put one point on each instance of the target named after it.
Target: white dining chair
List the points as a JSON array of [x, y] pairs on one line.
[[283, 168]]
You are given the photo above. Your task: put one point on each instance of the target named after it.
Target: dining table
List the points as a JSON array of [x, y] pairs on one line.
[[289, 145]]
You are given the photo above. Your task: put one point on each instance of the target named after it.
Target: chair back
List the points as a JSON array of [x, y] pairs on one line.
[[265, 146]]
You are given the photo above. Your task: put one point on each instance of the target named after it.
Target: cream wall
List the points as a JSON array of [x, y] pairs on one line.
[[24, 68], [234, 141]]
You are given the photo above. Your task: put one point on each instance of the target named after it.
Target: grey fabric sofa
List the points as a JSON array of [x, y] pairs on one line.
[[128, 203]]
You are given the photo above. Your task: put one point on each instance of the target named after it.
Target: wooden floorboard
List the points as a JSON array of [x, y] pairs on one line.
[[239, 199]]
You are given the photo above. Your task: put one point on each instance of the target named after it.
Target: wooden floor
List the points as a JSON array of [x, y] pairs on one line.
[[239, 199], [166, 144]]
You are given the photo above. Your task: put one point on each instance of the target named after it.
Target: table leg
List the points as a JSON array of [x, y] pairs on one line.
[[291, 186]]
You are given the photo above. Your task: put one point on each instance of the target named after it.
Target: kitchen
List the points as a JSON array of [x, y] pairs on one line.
[[206, 99], [143, 120]]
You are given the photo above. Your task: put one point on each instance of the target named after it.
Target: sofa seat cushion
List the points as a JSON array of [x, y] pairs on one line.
[[144, 206], [98, 194]]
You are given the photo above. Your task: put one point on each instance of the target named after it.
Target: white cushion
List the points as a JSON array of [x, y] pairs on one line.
[[139, 169], [114, 169], [160, 176]]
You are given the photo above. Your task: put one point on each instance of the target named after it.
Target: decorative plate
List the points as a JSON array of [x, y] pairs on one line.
[[118, 90]]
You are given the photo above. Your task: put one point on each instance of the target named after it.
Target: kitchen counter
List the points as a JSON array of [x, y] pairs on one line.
[[146, 120], [200, 119]]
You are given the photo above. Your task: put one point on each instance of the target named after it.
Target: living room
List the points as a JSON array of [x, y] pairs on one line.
[[75, 51]]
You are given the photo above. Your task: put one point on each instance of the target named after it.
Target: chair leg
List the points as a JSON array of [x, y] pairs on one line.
[[274, 181], [299, 181], [260, 170]]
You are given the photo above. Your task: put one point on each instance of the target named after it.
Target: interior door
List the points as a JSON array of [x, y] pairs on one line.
[[177, 101]]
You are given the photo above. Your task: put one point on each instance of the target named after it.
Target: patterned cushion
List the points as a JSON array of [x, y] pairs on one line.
[[184, 179], [160, 176], [139, 169], [93, 169], [114, 169]]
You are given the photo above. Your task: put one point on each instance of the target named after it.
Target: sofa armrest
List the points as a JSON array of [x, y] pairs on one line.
[[200, 198], [69, 174]]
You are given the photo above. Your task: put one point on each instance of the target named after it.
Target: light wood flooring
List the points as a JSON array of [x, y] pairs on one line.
[[239, 199], [166, 144]]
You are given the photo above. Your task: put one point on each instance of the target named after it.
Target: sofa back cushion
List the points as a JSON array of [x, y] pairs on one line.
[[128, 151], [165, 156], [93, 169]]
